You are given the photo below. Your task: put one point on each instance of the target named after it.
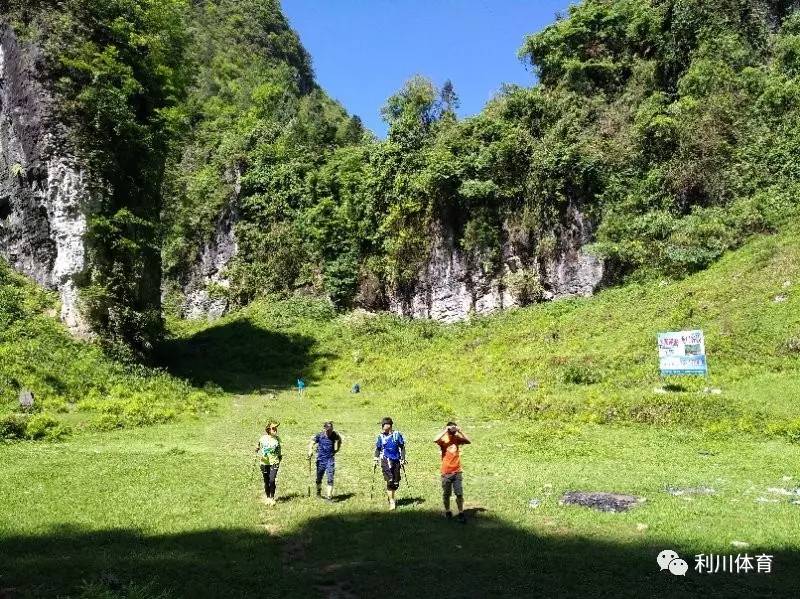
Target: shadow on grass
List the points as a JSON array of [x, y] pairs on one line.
[[289, 497], [410, 501], [413, 552], [343, 497], [239, 357]]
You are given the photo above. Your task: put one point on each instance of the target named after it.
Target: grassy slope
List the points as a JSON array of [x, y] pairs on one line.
[[482, 368], [75, 385], [176, 506]]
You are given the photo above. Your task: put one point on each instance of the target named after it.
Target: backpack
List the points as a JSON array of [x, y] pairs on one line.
[[395, 436]]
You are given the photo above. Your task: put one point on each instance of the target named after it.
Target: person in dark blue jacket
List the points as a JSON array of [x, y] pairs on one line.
[[390, 452], [328, 443]]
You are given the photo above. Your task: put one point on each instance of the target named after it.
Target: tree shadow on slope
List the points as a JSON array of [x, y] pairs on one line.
[[240, 357], [410, 552]]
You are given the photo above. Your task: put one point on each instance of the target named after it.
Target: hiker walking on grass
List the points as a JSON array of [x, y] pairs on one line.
[[269, 450], [390, 452], [328, 444], [450, 441]]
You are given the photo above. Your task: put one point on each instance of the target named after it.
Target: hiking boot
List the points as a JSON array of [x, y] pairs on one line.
[[462, 518], [448, 515]]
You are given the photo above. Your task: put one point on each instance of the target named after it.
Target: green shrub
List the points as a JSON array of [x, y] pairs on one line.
[[525, 286], [582, 374], [13, 426], [45, 427], [107, 422], [785, 430]]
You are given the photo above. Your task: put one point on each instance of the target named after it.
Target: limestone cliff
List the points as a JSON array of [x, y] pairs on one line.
[[44, 192], [450, 287], [205, 286]]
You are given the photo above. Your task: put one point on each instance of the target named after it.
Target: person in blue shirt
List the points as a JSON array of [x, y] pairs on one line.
[[390, 452], [328, 443]]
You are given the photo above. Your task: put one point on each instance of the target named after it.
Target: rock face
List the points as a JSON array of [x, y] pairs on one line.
[[449, 288], [44, 193], [208, 274], [601, 501], [571, 272]]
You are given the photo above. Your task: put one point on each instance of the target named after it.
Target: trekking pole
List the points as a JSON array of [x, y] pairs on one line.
[[372, 486], [309, 476], [405, 475]]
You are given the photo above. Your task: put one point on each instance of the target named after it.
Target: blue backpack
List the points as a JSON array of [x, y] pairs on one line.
[[390, 446]]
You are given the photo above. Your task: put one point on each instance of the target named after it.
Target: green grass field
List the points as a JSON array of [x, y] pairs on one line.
[[174, 509]]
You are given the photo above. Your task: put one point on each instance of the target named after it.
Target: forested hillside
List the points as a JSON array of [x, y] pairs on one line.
[[258, 131], [660, 134], [671, 126]]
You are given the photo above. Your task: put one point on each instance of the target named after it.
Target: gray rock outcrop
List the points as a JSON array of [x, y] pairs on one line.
[[207, 281], [44, 192], [449, 288], [601, 501]]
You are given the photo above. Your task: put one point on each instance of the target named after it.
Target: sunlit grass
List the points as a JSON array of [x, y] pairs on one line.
[[175, 508]]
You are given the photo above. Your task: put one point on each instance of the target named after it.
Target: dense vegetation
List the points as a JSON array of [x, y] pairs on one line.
[[671, 125], [75, 385], [258, 130], [567, 363]]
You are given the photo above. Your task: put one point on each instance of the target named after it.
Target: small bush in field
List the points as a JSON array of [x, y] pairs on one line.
[[45, 427], [786, 430], [12, 427], [107, 422], [582, 374]]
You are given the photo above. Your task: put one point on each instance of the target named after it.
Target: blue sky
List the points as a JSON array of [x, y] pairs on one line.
[[364, 50]]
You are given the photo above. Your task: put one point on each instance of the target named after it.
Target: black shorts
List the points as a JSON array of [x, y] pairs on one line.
[[391, 473]]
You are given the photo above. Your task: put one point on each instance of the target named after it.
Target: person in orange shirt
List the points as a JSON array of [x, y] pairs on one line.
[[450, 441]]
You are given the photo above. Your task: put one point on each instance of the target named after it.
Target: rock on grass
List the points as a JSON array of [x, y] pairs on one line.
[[603, 502]]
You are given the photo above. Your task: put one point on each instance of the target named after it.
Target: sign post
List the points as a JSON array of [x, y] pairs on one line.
[[682, 352]]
